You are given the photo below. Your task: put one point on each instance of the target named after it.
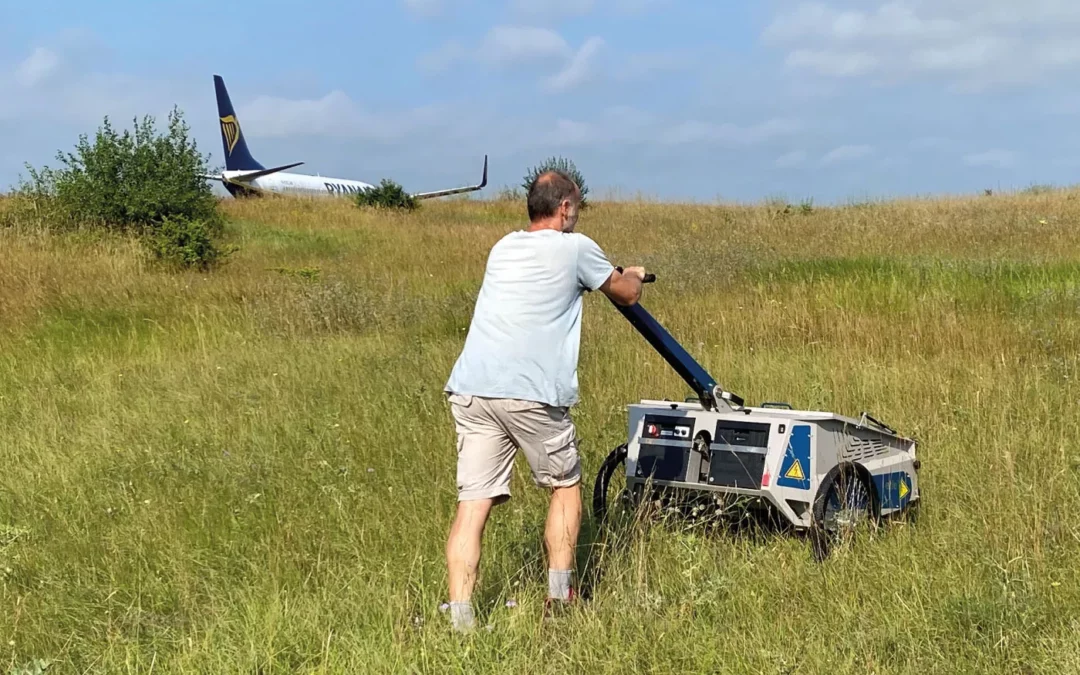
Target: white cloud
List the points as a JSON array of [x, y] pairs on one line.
[[647, 64], [572, 133], [977, 52], [1001, 159], [271, 116], [972, 43], [334, 115], [523, 47], [560, 66], [62, 81], [579, 69], [1057, 54], [442, 59], [930, 144], [636, 7], [507, 45], [621, 126], [846, 153], [555, 9], [37, 67], [890, 20], [63, 95], [834, 63], [791, 160], [728, 134], [625, 126]]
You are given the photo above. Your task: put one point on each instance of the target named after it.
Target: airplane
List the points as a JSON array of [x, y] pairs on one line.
[[244, 176]]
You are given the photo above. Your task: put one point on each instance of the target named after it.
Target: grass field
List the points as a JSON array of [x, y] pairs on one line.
[[252, 470]]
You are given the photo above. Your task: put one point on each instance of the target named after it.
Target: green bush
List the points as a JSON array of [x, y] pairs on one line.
[[184, 243], [138, 181], [386, 195], [560, 164]]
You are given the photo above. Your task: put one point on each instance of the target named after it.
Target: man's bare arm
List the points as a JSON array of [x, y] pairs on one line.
[[624, 288]]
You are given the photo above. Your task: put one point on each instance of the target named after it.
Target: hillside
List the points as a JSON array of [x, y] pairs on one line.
[[252, 469]]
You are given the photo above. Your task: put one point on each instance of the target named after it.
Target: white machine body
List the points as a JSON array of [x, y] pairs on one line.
[[782, 455]]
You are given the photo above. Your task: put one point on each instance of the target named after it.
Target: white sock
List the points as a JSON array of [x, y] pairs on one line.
[[559, 584], [461, 616]]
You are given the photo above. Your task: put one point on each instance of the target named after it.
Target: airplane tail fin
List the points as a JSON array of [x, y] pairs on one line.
[[237, 155]]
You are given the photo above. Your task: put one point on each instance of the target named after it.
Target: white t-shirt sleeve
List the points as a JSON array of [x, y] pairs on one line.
[[593, 267]]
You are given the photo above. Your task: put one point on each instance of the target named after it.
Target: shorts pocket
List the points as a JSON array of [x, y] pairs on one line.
[[462, 400], [517, 405], [561, 454]]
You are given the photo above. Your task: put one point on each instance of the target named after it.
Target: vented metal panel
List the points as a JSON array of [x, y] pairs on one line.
[[863, 448]]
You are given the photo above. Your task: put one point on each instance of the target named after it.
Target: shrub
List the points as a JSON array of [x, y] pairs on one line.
[[510, 194], [184, 243], [1038, 189], [139, 181], [386, 195], [560, 164]]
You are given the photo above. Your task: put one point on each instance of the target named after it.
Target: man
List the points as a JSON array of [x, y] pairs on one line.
[[515, 380]]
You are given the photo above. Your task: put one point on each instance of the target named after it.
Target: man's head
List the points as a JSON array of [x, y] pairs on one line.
[[553, 201]]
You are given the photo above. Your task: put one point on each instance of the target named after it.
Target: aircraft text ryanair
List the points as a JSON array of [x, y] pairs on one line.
[[341, 188]]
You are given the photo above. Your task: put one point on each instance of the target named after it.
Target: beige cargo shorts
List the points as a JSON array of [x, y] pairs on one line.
[[489, 430]]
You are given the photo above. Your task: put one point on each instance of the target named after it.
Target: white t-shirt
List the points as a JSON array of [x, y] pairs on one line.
[[526, 327]]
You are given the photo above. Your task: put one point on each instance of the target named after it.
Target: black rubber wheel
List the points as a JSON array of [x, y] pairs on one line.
[[846, 502], [612, 462]]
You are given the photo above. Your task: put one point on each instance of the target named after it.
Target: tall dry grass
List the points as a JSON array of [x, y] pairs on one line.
[[252, 470]]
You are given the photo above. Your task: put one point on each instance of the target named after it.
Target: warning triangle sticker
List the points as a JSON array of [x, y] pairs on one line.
[[903, 488], [795, 472]]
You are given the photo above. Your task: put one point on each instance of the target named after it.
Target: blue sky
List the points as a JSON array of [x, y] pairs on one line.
[[701, 100]]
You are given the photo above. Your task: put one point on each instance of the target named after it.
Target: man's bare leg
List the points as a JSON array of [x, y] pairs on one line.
[[463, 558], [561, 534]]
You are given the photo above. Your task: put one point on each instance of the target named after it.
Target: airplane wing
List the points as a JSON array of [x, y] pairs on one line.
[[459, 190], [238, 183], [252, 175]]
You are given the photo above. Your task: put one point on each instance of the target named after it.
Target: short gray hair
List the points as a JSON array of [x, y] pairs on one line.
[[547, 191]]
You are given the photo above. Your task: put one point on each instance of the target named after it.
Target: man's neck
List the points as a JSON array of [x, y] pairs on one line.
[[548, 224]]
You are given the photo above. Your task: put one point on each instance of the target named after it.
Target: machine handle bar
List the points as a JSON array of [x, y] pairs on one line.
[[688, 369], [649, 276], [880, 425]]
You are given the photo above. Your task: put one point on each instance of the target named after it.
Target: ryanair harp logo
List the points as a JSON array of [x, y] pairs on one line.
[[231, 130]]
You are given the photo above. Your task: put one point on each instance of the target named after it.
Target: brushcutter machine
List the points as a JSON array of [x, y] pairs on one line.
[[823, 473]]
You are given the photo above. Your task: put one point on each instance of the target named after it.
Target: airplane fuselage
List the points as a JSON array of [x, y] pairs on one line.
[[299, 184], [245, 176]]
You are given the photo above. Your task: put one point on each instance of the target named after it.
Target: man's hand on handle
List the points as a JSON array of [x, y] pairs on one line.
[[640, 273], [624, 286]]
